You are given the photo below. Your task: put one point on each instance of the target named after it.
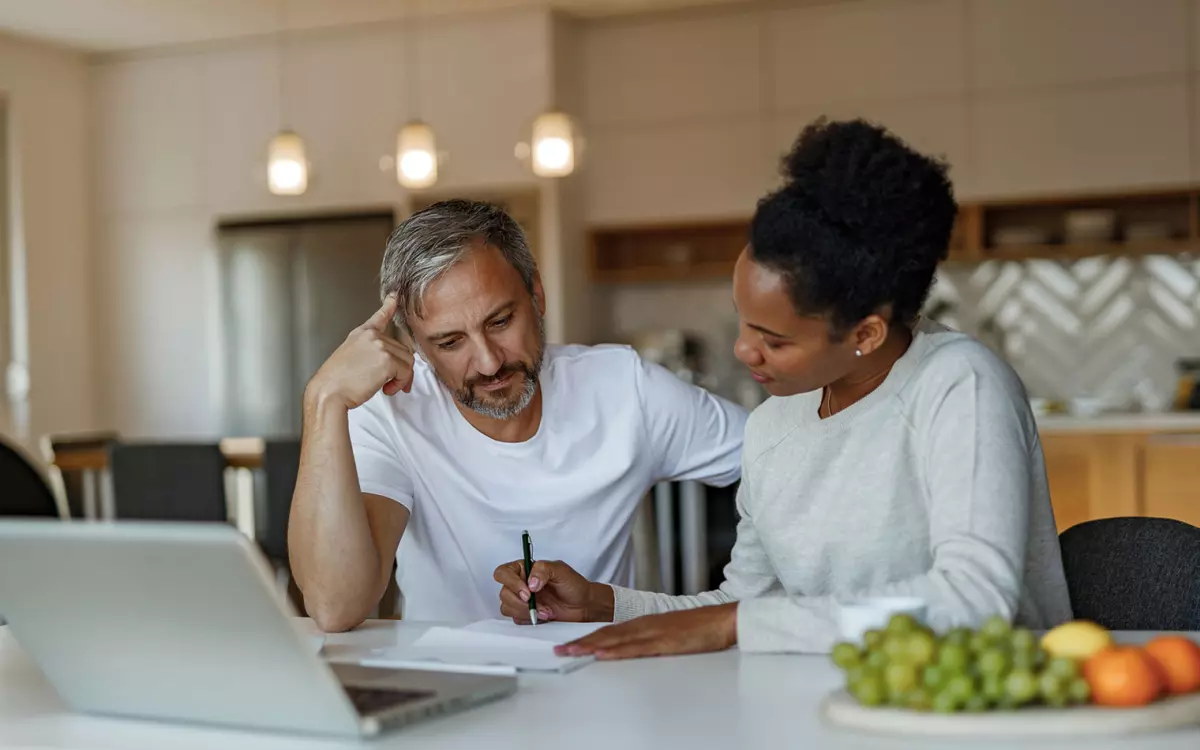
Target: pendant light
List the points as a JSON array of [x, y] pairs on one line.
[[287, 168], [416, 147], [553, 151], [416, 155], [287, 164]]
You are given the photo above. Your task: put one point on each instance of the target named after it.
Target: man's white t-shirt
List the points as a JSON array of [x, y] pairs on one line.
[[612, 426]]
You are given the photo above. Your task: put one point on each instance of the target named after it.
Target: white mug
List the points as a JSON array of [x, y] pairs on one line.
[[857, 616]]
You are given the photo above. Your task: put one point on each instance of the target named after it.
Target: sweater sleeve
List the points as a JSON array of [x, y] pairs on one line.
[[978, 471], [748, 574]]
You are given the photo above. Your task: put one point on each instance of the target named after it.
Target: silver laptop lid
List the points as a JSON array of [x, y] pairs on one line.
[[165, 621]]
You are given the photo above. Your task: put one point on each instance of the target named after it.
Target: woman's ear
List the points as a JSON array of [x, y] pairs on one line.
[[870, 333]]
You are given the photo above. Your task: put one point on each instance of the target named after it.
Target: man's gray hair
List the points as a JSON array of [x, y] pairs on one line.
[[427, 244]]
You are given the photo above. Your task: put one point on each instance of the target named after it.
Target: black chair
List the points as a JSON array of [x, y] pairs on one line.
[[1134, 573], [281, 464], [25, 491], [168, 481]]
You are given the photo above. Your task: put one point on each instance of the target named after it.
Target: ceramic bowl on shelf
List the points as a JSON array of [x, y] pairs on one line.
[[1090, 225], [1147, 231], [1018, 236]]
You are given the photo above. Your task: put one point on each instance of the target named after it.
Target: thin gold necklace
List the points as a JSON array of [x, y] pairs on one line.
[[827, 402]]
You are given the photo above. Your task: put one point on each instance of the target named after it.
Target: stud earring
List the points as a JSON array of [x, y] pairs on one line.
[[858, 352]]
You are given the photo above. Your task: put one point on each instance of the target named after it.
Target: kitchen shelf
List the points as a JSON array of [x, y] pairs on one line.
[[667, 252], [701, 250], [1170, 212]]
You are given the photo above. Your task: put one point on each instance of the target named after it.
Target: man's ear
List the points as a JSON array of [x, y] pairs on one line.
[[539, 293]]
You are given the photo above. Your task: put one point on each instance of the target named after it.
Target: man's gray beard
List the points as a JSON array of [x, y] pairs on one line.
[[504, 411], [467, 397]]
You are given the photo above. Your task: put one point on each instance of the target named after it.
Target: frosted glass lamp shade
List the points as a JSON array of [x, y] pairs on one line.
[[553, 148], [416, 156], [287, 167]]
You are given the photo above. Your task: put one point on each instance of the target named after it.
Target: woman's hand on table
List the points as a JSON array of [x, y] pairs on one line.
[[690, 631], [562, 593]]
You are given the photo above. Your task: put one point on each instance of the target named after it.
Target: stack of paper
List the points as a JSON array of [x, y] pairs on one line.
[[488, 646]]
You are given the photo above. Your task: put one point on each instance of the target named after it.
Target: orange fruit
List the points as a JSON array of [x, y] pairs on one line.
[[1178, 658], [1123, 676]]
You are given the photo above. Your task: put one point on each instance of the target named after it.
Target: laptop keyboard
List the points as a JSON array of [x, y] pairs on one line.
[[370, 701]]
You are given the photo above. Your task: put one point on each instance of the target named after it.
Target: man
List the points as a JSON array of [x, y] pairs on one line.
[[440, 452]]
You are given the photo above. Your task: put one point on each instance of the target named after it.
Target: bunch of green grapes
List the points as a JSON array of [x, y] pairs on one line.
[[995, 667]]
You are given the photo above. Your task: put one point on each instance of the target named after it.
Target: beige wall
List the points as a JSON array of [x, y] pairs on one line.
[[181, 142], [687, 115], [50, 266]]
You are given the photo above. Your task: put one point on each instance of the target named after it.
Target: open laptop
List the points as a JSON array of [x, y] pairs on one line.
[[182, 622]]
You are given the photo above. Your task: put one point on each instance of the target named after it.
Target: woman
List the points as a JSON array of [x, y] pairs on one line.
[[896, 458]]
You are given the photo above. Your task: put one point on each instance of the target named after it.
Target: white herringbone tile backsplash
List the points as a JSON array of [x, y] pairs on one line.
[[1105, 327]]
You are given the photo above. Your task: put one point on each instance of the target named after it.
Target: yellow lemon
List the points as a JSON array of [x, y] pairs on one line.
[[1077, 640]]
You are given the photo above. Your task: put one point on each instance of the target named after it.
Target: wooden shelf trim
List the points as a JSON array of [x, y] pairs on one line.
[[240, 453], [1075, 252]]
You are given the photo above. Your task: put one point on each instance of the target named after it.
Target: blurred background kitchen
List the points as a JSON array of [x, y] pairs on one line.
[[195, 195]]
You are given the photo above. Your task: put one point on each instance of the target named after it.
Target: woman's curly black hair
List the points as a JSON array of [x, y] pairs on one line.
[[858, 227]]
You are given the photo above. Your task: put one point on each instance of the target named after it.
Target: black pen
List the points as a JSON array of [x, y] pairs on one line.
[[528, 545]]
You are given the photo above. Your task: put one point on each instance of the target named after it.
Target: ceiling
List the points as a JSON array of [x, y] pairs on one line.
[[116, 25]]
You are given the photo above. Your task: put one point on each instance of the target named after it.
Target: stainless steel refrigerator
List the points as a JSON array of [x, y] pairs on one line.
[[291, 292]]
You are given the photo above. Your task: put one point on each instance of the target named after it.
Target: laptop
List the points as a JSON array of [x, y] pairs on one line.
[[182, 622]]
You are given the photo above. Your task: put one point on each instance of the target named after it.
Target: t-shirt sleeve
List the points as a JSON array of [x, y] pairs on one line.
[[694, 434], [377, 457]]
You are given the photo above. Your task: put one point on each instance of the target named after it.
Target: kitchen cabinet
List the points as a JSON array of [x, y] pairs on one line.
[[1172, 477], [1106, 474], [1092, 476]]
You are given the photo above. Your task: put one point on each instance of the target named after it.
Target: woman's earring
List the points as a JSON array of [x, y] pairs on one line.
[[858, 352]]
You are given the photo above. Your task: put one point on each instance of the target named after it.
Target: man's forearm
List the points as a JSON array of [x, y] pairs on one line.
[[332, 552]]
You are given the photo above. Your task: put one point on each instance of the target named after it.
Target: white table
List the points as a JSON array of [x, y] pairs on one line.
[[725, 701]]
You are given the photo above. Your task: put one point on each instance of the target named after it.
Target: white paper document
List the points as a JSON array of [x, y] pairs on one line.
[[556, 633], [490, 646]]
